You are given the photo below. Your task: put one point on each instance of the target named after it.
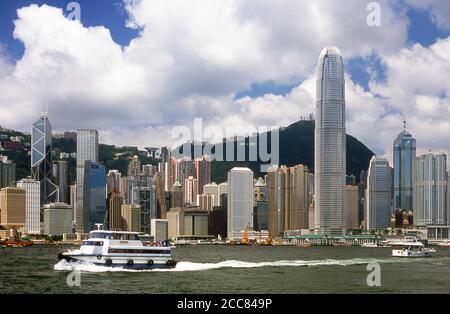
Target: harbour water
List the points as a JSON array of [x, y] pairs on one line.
[[232, 269]]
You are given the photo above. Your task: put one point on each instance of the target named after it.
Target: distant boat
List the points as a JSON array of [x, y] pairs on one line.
[[410, 249], [445, 243], [370, 245]]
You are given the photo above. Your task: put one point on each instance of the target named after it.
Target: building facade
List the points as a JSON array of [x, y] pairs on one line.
[[7, 172], [87, 151], [240, 200], [330, 144], [13, 207], [57, 219], [404, 156], [33, 205], [41, 158], [430, 190], [378, 195]]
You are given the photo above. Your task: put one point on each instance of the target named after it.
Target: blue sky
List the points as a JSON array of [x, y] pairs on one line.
[[229, 62]]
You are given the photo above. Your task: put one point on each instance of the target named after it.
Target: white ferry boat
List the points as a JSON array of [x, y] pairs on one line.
[[121, 249], [410, 249]]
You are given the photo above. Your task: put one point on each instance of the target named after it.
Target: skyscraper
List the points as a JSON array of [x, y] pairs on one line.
[[7, 172], [41, 158], [330, 143], [87, 150], [190, 190], [33, 205], [203, 172], [288, 203], [430, 189], [404, 155], [61, 179], [378, 194], [240, 200], [94, 195]]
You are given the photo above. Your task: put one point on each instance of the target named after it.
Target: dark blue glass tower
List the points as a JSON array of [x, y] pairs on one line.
[[404, 155]]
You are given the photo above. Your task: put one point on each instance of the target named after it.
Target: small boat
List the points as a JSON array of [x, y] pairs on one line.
[[121, 249], [445, 243], [410, 249], [370, 245], [16, 244]]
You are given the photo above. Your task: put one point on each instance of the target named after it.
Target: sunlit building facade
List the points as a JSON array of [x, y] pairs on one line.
[[330, 144]]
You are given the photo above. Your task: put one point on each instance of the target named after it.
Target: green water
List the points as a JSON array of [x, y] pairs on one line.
[[233, 269]]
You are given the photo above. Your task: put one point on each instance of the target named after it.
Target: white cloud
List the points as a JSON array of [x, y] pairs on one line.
[[192, 57]]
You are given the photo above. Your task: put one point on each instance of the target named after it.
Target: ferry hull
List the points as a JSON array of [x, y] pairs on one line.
[[122, 262]]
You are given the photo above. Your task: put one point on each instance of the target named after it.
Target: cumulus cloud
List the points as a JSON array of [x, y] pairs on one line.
[[191, 58]]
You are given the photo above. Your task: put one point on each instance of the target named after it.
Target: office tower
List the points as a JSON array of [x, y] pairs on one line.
[[13, 207], [87, 151], [288, 201], [41, 158], [33, 205], [131, 217], [430, 188], [362, 186], [203, 172], [212, 189], [223, 189], [73, 201], [330, 144], [404, 156], [259, 191], [176, 195], [61, 180], [115, 211], [240, 200], [163, 167], [134, 167], [185, 169], [7, 172], [190, 190], [94, 195], [160, 229], [261, 216], [57, 219], [351, 209], [161, 203], [148, 206], [447, 217], [113, 181], [171, 171], [205, 202], [175, 218], [378, 194], [195, 223], [126, 189]]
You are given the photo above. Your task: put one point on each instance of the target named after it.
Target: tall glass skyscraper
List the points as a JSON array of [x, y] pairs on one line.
[[87, 150], [430, 190], [94, 191], [41, 159], [378, 194], [404, 155], [330, 144]]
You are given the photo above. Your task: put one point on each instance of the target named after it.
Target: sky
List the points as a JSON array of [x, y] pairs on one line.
[[136, 69]]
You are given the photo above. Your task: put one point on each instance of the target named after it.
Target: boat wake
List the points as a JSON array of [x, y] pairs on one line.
[[190, 266]]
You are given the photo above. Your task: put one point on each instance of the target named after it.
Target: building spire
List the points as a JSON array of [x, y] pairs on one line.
[[404, 122]]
